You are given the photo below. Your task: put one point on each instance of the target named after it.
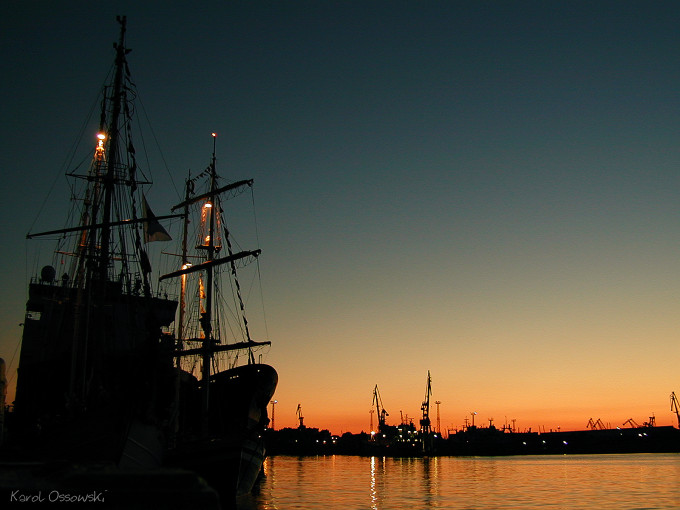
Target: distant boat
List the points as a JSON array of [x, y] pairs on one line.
[[223, 398]]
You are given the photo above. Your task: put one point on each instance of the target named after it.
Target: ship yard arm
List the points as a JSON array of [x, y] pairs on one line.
[[219, 348], [211, 263], [210, 194], [100, 225]]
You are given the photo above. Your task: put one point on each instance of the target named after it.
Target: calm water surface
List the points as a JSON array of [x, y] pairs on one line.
[[643, 481]]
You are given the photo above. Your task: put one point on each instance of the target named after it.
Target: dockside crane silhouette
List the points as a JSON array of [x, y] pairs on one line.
[[380, 409], [675, 406]]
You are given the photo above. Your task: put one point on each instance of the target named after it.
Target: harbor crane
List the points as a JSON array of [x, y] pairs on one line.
[[299, 416], [380, 409], [632, 423], [675, 406], [425, 407], [596, 424], [425, 425]]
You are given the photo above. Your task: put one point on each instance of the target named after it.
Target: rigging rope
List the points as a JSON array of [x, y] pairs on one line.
[[155, 138], [257, 261], [71, 154], [251, 357]]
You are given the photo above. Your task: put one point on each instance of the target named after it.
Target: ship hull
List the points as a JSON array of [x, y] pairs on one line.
[[73, 400], [230, 455]]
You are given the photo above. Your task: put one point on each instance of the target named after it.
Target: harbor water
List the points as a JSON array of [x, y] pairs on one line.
[[631, 481]]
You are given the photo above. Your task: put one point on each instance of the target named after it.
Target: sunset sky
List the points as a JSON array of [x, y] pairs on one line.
[[488, 190]]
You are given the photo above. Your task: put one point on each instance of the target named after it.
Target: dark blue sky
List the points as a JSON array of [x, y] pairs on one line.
[[453, 186]]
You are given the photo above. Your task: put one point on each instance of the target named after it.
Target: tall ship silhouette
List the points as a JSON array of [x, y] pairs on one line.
[[112, 369], [223, 392]]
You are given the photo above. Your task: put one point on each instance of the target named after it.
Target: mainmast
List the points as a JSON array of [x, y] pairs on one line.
[[112, 162], [206, 317], [185, 264], [210, 241]]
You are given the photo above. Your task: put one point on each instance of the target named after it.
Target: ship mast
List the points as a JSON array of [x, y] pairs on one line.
[[210, 213], [185, 265], [112, 162], [206, 317]]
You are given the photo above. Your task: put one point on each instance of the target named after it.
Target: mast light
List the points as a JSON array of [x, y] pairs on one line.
[[100, 146]]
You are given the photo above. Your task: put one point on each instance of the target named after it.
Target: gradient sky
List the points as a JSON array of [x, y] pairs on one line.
[[486, 190]]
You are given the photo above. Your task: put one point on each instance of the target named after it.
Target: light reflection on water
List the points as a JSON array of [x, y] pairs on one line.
[[647, 481]]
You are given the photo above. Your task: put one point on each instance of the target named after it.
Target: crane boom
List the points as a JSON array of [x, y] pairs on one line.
[[675, 406], [379, 407], [632, 423], [425, 407], [425, 424]]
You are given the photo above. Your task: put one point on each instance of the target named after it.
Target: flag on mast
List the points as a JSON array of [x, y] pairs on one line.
[[153, 231]]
